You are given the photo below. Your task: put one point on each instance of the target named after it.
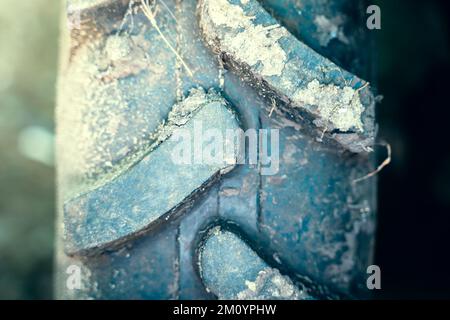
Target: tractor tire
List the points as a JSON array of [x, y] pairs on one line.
[[137, 222]]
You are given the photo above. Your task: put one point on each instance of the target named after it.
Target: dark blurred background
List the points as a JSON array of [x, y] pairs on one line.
[[413, 52], [414, 191]]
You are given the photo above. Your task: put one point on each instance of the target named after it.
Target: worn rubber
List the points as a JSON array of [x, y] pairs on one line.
[[140, 226]]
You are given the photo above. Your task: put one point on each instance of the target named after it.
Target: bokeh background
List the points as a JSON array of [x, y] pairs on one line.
[[28, 63], [413, 52]]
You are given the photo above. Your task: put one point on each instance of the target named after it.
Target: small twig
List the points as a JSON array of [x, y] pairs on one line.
[[385, 163], [150, 16], [128, 13], [271, 111], [273, 108], [361, 88], [168, 10], [323, 133]]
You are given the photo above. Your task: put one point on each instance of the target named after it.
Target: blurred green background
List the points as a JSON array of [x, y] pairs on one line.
[[28, 62], [413, 53]]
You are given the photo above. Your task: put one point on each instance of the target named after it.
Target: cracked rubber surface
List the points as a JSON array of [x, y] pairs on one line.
[[143, 227]]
